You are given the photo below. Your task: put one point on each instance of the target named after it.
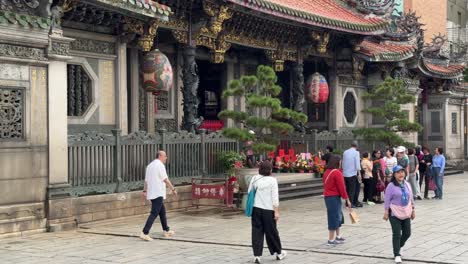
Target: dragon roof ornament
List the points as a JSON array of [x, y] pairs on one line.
[[376, 7], [438, 48]]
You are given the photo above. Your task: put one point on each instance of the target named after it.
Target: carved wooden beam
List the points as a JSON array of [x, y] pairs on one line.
[[358, 66], [146, 41], [218, 14], [322, 39]]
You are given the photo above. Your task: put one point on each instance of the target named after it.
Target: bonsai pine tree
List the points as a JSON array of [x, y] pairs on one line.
[[393, 93], [264, 114]]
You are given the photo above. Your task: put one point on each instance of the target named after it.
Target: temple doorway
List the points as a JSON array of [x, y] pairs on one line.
[[210, 89]]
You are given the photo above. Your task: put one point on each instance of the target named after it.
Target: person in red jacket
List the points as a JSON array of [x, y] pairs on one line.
[[333, 190]]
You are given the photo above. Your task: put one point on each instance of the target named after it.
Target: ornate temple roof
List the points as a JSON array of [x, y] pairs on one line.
[[450, 71], [322, 13], [144, 7], [385, 51]]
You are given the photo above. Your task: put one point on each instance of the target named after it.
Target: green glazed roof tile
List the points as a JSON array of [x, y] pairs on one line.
[[8, 17]]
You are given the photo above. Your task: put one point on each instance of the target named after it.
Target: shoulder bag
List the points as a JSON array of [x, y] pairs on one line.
[[251, 199]]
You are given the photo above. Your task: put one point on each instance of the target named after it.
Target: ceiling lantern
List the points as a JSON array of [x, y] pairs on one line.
[[157, 72], [317, 89]]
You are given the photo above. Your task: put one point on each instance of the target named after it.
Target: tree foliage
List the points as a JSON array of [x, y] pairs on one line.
[[393, 94], [264, 114]]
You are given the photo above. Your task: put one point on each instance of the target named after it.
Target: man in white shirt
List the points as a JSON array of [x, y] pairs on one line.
[[155, 190]]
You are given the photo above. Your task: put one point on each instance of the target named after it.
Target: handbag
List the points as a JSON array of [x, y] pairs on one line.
[[250, 200], [380, 186], [354, 217], [432, 185], [402, 212]]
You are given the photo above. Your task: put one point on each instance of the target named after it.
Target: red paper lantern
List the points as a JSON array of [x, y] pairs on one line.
[[157, 72], [317, 88]]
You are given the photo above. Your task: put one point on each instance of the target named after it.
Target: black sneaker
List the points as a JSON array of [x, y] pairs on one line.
[[359, 205]]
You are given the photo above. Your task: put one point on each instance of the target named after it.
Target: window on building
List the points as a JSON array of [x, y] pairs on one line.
[[454, 123], [435, 122], [79, 90], [459, 19], [11, 114], [350, 107]]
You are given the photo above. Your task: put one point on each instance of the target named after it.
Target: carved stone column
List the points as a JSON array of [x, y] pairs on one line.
[[58, 53], [121, 88], [191, 81], [134, 91], [298, 92], [298, 87], [60, 213]]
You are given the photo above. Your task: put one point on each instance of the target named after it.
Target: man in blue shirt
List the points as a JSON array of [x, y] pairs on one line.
[[351, 171], [438, 166]]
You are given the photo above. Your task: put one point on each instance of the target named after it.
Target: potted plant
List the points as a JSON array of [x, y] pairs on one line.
[[232, 161], [263, 120]]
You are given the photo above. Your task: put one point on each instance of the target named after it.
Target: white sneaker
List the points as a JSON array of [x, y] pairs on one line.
[[169, 233], [145, 237], [370, 203], [257, 260], [397, 259], [281, 256]]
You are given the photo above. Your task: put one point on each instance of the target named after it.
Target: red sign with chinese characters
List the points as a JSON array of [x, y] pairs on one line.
[[209, 191]]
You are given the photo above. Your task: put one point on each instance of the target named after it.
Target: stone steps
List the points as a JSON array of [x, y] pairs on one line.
[[449, 170], [298, 185]]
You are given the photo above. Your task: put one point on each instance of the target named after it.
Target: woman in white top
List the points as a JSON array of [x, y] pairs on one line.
[[390, 162], [265, 213]]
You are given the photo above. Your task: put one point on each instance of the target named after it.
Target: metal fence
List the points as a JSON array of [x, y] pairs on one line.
[[340, 140], [104, 163]]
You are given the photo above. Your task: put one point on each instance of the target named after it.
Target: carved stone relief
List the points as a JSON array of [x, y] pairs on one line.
[[22, 52], [168, 124], [454, 101], [60, 48], [434, 106], [163, 101], [95, 46], [11, 114]]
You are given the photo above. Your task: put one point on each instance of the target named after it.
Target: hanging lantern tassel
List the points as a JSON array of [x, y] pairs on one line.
[[316, 112]]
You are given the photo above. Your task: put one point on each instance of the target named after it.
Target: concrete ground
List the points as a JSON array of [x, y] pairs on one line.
[[439, 235]]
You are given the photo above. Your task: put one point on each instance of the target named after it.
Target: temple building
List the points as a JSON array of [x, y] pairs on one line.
[[79, 72]]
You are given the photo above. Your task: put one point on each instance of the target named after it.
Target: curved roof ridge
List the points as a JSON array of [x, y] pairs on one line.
[[321, 13]]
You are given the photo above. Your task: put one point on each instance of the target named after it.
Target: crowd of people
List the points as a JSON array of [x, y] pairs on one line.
[[393, 179]]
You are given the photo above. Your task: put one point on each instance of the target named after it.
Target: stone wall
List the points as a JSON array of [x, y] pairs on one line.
[[454, 118], [69, 212], [23, 148]]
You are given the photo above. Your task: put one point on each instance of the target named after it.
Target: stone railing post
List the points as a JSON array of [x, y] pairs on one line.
[[117, 159], [203, 152], [335, 131], [313, 140], [162, 132]]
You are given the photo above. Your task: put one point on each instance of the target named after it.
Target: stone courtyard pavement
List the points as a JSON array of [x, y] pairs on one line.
[[439, 235]]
